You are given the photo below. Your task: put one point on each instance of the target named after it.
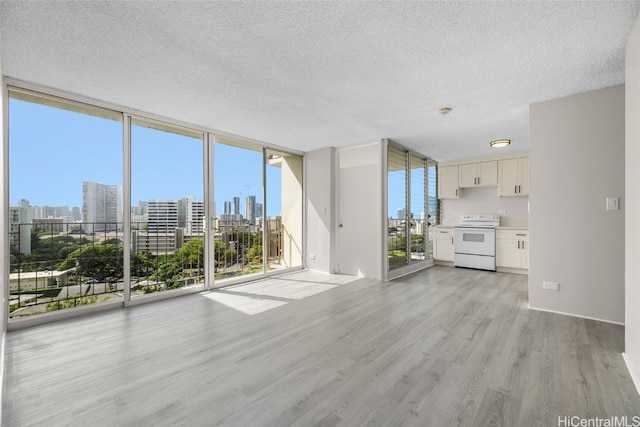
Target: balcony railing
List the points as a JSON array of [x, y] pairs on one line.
[[61, 265]]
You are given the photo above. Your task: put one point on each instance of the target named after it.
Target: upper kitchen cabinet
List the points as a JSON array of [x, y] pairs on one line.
[[513, 177], [448, 182], [482, 174]]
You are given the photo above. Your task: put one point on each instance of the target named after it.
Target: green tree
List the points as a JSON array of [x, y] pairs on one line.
[[254, 255], [97, 261], [191, 254], [168, 272], [417, 242]]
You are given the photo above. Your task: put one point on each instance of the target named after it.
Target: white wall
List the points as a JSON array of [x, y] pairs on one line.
[[360, 238], [485, 200], [291, 210], [632, 225], [577, 160], [319, 184]]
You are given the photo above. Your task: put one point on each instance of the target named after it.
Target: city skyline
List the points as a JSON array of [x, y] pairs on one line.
[[59, 211]]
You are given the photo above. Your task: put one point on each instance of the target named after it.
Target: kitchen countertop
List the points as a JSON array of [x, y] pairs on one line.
[[501, 227]]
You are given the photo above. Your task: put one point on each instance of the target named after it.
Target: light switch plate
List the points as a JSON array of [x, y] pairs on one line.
[[612, 204]]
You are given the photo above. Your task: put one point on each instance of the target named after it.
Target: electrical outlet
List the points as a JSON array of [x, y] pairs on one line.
[[550, 286], [312, 256], [612, 204]]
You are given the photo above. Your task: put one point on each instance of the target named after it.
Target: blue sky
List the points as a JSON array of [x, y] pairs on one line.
[[52, 151]]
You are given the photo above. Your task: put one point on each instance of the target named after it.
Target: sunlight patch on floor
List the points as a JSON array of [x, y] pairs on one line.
[[279, 288], [262, 295], [246, 304]]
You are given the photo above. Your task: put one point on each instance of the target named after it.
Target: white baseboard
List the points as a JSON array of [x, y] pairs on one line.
[[632, 372], [576, 315]]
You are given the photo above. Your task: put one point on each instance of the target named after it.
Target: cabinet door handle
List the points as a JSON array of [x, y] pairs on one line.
[[515, 189], [523, 244], [456, 192], [518, 244], [520, 234], [452, 240]]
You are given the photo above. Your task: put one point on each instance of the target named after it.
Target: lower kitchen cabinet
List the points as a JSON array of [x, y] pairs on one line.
[[512, 250], [443, 244]]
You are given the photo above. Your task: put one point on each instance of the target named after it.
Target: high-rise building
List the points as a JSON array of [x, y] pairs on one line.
[[227, 208], [76, 214], [20, 229], [251, 210], [193, 214], [162, 216], [259, 210], [236, 206], [101, 207], [49, 211], [402, 213]]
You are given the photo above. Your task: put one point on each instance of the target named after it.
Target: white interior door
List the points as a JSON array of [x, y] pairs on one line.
[[359, 212]]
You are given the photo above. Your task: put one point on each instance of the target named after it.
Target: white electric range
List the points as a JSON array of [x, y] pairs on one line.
[[475, 242]]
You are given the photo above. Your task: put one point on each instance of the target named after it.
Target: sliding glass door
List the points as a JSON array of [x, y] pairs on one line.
[[167, 208], [410, 207]]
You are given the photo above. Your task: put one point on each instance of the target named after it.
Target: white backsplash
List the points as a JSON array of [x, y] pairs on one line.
[[485, 200]]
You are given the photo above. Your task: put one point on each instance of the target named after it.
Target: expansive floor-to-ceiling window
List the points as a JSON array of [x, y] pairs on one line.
[[411, 210], [239, 201], [258, 199], [167, 207], [65, 179], [107, 206]]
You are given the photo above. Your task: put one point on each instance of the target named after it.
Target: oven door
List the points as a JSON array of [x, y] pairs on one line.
[[475, 241]]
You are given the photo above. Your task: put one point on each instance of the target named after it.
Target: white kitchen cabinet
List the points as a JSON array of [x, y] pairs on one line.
[[482, 174], [448, 182], [513, 177], [512, 249], [443, 244]]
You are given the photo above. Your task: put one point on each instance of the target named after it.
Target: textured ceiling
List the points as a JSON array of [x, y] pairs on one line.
[[307, 75]]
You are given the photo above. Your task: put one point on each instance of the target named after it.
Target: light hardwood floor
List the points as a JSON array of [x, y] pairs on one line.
[[443, 347]]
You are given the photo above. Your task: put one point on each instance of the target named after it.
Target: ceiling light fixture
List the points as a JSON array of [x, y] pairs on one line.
[[498, 143], [444, 111]]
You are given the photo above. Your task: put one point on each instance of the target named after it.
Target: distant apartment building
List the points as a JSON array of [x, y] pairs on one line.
[[20, 229], [101, 207], [194, 216], [139, 221], [259, 214], [236, 205], [227, 208], [141, 209], [76, 214], [251, 209], [157, 243], [162, 216]]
